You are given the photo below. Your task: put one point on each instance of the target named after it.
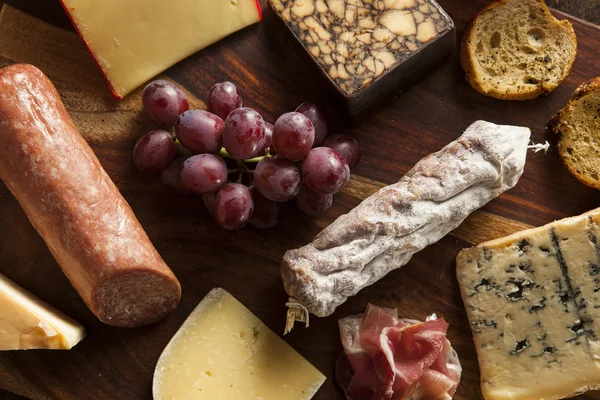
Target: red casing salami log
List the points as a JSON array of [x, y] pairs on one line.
[[76, 208]]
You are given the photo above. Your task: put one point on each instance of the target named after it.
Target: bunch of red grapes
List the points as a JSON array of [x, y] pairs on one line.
[[242, 165]]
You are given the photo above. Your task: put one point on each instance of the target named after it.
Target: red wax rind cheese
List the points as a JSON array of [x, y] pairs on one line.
[[132, 47]]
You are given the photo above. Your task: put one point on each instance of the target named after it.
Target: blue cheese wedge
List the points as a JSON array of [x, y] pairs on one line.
[[533, 302]]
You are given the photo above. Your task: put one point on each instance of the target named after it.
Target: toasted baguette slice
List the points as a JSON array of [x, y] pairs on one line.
[[578, 125], [516, 50]]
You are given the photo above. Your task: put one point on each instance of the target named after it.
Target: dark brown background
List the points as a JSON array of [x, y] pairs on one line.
[[117, 364]]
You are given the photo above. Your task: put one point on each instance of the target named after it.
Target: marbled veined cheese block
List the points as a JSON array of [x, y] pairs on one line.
[[533, 302], [369, 49]]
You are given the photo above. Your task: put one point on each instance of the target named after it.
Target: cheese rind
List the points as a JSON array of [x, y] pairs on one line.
[[533, 305], [135, 40], [26, 322], [223, 351]]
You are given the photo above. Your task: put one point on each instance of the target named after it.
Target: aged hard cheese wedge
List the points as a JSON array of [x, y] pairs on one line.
[[135, 40], [533, 302], [222, 351], [26, 322]]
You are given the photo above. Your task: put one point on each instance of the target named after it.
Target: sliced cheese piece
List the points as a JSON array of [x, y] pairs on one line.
[[223, 351], [26, 322], [533, 305], [135, 40]]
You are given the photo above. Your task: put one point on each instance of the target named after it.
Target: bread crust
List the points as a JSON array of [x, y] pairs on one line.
[[467, 58], [559, 120]]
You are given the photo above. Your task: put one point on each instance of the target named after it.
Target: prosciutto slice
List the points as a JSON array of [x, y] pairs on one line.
[[391, 358]]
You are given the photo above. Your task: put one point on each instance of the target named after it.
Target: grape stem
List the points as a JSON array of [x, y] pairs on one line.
[[223, 153], [242, 165]]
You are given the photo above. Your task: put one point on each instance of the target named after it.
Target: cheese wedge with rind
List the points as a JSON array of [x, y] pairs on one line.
[[533, 303], [26, 322], [223, 351], [135, 40]]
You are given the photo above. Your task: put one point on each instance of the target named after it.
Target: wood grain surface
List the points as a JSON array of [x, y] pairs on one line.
[[588, 10], [113, 363]]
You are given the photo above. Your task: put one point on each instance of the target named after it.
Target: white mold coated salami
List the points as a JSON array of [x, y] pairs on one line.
[[385, 230], [76, 208]]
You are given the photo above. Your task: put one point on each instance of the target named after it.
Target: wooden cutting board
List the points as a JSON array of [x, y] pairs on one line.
[[113, 363]]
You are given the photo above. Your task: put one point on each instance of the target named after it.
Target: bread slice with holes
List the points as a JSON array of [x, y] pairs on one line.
[[516, 50], [578, 125]]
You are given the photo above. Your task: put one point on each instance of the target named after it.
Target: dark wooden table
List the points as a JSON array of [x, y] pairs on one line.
[[588, 10], [117, 364]]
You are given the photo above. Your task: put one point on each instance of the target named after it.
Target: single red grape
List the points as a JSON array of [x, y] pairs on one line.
[[318, 118], [293, 136], [204, 173], [200, 131], [164, 102], [172, 175], [244, 133], [223, 98], [277, 179], [233, 206], [266, 212], [313, 203], [154, 151], [325, 170], [345, 145]]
